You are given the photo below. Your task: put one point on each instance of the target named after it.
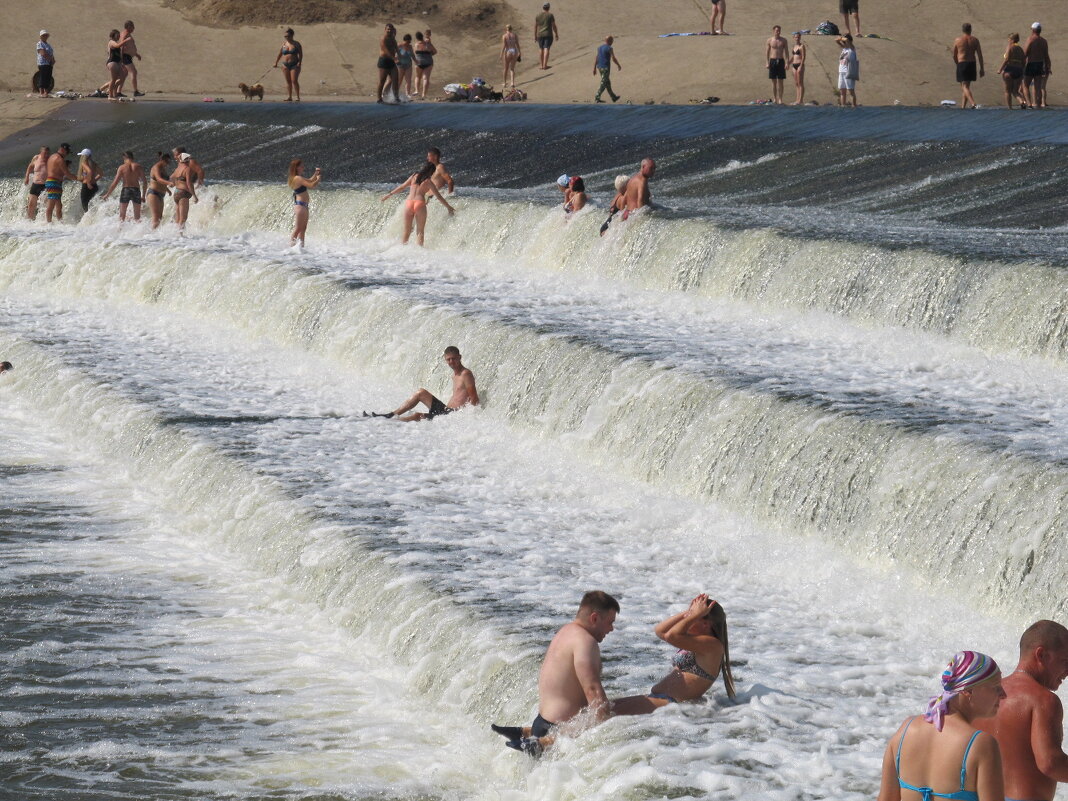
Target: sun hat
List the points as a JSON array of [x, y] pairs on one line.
[[43, 33]]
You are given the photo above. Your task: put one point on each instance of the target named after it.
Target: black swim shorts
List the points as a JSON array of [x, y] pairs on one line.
[[1035, 69], [966, 71], [36, 189], [386, 63], [130, 194], [777, 69], [849, 6], [438, 408], [545, 42]]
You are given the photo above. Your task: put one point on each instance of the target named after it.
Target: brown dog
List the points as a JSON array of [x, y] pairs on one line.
[[256, 90]]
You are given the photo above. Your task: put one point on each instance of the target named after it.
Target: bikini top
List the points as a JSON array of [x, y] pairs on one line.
[[687, 663], [797, 51], [926, 792], [300, 190]]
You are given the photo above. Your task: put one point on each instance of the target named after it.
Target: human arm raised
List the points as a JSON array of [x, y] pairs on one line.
[[405, 185], [675, 631]]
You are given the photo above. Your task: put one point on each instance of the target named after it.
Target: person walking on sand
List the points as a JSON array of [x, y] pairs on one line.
[[419, 185], [1029, 725], [719, 10], [301, 198], [1011, 71], [545, 31], [848, 71], [424, 62], [291, 55], [89, 173], [35, 177], [797, 66], [966, 52], [46, 60], [1037, 67], [56, 174], [159, 186], [463, 394], [606, 55], [387, 62], [129, 53], [848, 7], [510, 55], [134, 184], [775, 58]]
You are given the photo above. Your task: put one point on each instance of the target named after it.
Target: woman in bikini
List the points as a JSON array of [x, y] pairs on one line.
[[946, 756], [114, 65], [424, 62], [797, 64], [158, 187], [419, 186], [183, 179], [301, 197], [292, 56], [510, 54]]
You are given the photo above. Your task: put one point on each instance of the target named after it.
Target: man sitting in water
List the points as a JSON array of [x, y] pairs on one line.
[[463, 394], [570, 677], [1029, 722], [637, 193]]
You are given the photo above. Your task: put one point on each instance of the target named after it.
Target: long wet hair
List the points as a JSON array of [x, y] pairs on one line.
[[717, 617], [426, 172]]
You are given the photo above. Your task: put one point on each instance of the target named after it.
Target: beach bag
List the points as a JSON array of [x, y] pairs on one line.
[[827, 28], [853, 73]]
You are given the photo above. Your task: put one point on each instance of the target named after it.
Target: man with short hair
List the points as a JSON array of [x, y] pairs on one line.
[[775, 56], [637, 193], [46, 59], [1029, 722], [387, 63], [1037, 67], [37, 169], [55, 175], [544, 32], [966, 51], [570, 678], [606, 54], [441, 176], [129, 53], [463, 394], [134, 186]]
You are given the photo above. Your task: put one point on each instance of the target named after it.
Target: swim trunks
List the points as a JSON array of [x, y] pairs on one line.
[[663, 696], [849, 6], [545, 42], [1014, 71], [777, 69], [130, 194], [127, 58], [386, 63], [53, 189], [36, 189], [540, 727], [438, 408], [1035, 69], [966, 71]]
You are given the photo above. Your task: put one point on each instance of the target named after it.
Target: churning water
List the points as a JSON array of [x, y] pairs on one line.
[[824, 385]]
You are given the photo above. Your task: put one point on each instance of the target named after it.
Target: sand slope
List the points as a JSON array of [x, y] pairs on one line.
[[913, 66]]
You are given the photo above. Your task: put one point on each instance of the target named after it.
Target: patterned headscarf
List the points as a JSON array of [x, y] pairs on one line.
[[967, 669]]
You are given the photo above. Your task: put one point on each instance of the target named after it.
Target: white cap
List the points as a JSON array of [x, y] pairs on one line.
[[1036, 25], [563, 179], [43, 33], [86, 152], [184, 157]]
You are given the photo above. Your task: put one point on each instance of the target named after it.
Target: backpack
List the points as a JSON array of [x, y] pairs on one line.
[[827, 28]]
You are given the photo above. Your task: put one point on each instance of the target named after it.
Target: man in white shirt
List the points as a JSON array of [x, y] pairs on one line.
[[46, 59]]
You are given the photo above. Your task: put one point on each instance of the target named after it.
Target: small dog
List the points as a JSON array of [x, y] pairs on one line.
[[256, 90]]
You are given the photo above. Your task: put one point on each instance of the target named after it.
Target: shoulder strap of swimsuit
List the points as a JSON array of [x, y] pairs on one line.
[[964, 762], [901, 742]]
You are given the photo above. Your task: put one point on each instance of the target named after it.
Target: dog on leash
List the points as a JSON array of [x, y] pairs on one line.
[[256, 90]]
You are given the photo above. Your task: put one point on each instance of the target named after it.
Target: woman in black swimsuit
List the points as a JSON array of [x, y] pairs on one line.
[[292, 56], [424, 62], [114, 66], [158, 187], [797, 64]]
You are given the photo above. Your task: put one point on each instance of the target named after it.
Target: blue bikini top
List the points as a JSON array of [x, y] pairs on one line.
[[927, 792]]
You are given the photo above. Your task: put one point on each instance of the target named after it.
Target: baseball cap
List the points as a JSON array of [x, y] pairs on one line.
[[1036, 25], [43, 33], [86, 152], [184, 157], [563, 180]]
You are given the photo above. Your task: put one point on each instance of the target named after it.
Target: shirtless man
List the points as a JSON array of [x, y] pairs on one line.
[[966, 51], [775, 56], [134, 185], [37, 169], [463, 394], [129, 53], [194, 165], [55, 175], [1037, 67], [441, 177], [570, 677], [637, 193], [387, 63], [1028, 725]]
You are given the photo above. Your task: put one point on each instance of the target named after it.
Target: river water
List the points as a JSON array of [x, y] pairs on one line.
[[826, 383]]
